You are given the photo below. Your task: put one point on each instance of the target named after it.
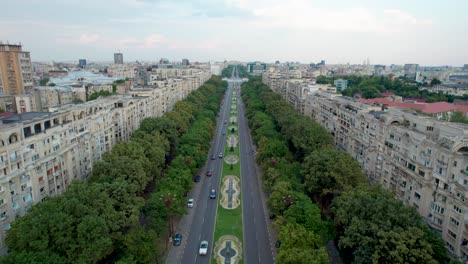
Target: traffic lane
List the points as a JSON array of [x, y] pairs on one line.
[[202, 208], [250, 245], [262, 240]]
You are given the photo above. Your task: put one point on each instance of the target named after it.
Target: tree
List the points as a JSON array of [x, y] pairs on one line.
[[298, 245], [44, 81], [435, 81], [328, 172], [458, 117]]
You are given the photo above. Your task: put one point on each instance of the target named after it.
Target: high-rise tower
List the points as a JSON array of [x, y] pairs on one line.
[[15, 70]]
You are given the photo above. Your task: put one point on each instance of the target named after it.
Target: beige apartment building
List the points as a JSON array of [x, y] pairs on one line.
[[42, 152], [15, 70], [422, 160]]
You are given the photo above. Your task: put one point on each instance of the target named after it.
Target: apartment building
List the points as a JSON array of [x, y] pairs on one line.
[[422, 160], [54, 96], [42, 152], [15, 70]]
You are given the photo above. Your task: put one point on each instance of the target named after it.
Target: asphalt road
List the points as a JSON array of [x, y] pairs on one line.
[[203, 224], [257, 246], [200, 222]]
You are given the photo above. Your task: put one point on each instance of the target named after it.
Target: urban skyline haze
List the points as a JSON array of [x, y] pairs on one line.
[[387, 32]]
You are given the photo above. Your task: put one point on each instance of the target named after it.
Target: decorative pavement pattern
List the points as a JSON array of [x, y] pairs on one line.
[[231, 159], [228, 250], [232, 141], [230, 192]]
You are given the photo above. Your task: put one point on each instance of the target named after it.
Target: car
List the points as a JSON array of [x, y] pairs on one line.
[[213, 157], [212, 194], [224, 133], [220, 155], [225, 122], [203, 248], [196, 178], [209, 173], [177, 240], [190, 203]]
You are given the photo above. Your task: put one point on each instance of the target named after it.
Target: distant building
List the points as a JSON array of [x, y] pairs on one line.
[[15, 70], [465, 67], [185, 62], [118, 58], [458, 79], [8, 103], [82, 63], [411, 70], [379, 69], [163, 61], [341, 84], [256, 67]]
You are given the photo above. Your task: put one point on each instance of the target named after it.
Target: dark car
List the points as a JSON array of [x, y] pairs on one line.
[[177, 240], [209, 173], [224, 132], [212, 194], [213, 157], [196, 178], [225, 122]]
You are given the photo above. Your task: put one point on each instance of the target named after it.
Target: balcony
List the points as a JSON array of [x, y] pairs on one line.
[[15, 159]]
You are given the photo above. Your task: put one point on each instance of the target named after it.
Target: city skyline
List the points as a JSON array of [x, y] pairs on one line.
[[397, 32]]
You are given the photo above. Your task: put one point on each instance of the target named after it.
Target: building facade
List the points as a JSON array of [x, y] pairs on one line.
[[118, 58], [42, 152], [422, 160], [16, 75]]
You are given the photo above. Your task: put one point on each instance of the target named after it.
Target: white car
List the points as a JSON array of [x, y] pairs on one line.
[[190, 203], [203, 248]]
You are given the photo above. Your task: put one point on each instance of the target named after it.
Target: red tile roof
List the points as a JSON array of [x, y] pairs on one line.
[[427, 108]]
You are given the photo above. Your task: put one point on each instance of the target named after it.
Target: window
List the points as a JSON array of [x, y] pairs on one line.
[[454, 163], [457, 209], [41, 190], [411, 167], [417, 196], [2, 201], [454, 221], [27, 198], [3, 215], [422, 173], [23, 187], [40, 179], [437, 208], [429, 128], [452, 234]]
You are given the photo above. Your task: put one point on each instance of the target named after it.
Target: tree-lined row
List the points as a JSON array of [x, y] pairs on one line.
[[241, 71], [309, 181], [107, 219]]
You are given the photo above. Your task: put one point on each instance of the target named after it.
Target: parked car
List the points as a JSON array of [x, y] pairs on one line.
[[220, 155], [203, 248], [177, 240], [196, 178], [190, 203], [209, 173], [212, 194]]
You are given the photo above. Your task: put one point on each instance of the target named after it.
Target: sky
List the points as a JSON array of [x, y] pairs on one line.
[[428, 32]]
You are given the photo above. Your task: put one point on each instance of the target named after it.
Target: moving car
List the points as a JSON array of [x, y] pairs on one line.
[[212, 194], [213, 157], [177, 240], [190, 203], [209, 173], [220, 155], [203, 248]]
